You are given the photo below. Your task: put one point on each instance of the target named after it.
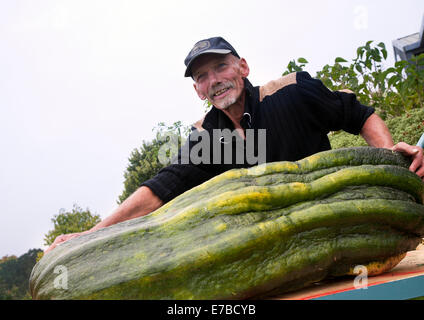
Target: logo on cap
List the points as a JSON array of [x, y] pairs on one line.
[[202, 45]]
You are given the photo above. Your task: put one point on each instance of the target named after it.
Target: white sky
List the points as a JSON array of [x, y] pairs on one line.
[[83, 82]]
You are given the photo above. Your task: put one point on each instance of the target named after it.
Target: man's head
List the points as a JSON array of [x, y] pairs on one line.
[[217, 71]]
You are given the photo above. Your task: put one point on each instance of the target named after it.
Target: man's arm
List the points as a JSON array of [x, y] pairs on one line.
[[376, 134], [341, 110], [141, 202], [170, 182]]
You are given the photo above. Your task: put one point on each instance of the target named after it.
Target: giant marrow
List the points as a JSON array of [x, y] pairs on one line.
[[250, 233]]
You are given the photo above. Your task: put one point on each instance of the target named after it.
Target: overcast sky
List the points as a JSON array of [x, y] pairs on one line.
[[83, 82]]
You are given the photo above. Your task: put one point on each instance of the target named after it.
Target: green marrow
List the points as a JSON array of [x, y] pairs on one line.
[[251, 233]]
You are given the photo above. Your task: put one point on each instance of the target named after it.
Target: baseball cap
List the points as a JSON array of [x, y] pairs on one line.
[[211, 45]]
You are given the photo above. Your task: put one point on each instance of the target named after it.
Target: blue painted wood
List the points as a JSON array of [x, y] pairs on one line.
[[396, 290], [421, 142]]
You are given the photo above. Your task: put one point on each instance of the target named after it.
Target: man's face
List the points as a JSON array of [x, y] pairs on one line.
[[219, 78]]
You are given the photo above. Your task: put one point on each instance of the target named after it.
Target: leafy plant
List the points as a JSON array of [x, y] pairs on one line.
[[407, 78], [407, 128], [390, 91], [77, 220], [293, 66], [14, 275], [144, 162]]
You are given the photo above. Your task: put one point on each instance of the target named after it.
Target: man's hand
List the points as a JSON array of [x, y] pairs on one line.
[[62, 238], [141, 202], [416, 153], [376, 134]]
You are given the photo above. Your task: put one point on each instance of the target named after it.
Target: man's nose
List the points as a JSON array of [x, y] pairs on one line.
[[213, 79]]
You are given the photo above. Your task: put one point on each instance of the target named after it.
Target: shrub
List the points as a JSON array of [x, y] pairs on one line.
[[407, 128], [391, 91]]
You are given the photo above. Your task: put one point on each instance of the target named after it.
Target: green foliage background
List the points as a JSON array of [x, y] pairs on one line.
[[391, 91], [407, 128], [396, 92], [77, 220], [144, 162], [14, 275]]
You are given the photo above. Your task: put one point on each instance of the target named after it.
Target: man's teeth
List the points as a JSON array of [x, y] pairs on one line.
[[220, 92]]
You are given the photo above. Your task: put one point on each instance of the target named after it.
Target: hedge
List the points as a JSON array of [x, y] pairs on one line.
[[408, 128]]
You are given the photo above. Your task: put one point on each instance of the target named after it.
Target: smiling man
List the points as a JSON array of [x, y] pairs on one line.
[[296, 112], [219, 79]]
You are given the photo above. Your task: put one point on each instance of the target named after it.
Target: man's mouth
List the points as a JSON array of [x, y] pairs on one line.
[[220, 92]]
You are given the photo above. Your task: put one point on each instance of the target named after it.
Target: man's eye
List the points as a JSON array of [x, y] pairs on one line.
[[222, 65], [200, 76]]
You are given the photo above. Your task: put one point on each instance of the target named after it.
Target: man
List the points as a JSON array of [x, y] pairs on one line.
[[296, 111]]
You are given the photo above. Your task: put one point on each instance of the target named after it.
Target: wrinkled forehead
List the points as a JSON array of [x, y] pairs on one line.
[[208, 60]]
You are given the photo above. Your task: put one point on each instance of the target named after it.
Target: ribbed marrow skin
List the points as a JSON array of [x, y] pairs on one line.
[[250, 233]]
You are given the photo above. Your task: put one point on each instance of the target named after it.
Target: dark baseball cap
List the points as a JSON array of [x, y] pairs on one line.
[[211, 45]]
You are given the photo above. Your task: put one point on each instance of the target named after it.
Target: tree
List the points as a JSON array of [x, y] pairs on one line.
[[78, 220], [14, 275], [145, 162]]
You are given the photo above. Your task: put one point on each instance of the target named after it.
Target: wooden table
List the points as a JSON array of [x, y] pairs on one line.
[[405, 281]]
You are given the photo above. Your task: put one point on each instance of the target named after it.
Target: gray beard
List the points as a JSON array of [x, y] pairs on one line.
[[228, 104]]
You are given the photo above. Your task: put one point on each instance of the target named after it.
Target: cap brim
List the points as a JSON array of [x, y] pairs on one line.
[[219, 51]]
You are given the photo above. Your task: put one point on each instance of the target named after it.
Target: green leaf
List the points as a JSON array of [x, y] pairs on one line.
[[390, 70], [392, 81], [360, 52], [302, 60], [384, 52], [368, 64], [381, 45], [340, 60]]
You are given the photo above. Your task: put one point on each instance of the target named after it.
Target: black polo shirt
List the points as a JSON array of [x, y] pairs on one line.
[[296, 111]]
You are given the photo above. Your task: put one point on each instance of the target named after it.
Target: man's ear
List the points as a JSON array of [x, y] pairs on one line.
[[244, 68], [201, 96]]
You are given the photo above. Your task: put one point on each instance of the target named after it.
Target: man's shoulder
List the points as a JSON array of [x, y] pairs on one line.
[[273, 86], [208, 121], [301, 78], [198, 125]]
